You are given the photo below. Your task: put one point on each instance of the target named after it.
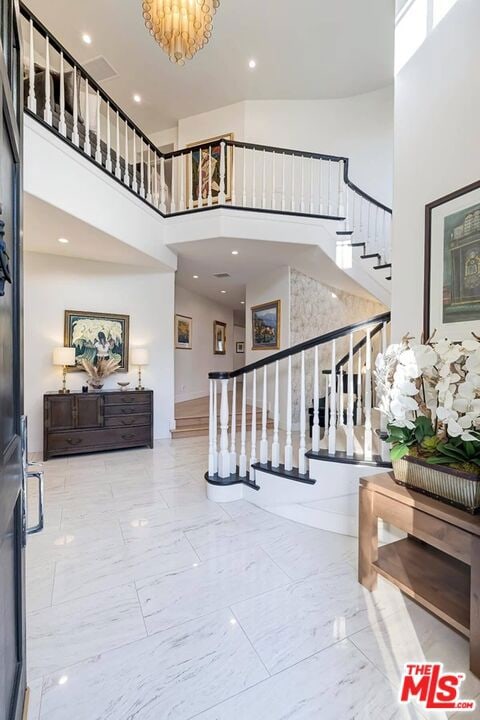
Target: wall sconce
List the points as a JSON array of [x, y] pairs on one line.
[[65, 357], [140, 358]]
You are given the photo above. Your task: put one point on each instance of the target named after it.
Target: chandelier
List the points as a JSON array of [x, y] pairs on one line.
[[180, 27]]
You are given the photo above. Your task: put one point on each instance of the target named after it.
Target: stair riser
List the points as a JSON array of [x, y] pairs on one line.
[[202, 420], [199, 431]]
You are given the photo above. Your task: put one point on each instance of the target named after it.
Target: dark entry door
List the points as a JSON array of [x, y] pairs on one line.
[[12, 533]]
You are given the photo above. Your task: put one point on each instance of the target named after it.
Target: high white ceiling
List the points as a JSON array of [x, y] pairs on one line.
[[306, 49]]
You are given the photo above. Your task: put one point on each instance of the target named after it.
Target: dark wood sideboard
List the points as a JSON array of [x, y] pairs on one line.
[[91, 422]]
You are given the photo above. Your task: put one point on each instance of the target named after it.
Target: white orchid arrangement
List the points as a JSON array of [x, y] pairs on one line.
[[430, 395]]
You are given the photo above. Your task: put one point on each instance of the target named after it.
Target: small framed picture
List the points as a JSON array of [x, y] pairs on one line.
[[183, 332], [266, 326], [219, 337], [240, 347]]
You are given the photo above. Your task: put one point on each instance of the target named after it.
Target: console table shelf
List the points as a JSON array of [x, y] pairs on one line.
[[437, 564]]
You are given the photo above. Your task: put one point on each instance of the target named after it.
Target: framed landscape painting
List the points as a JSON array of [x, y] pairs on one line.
[[209, 159], [97, 336], [183, 332], [266, 326], [452, 265], [219, 337]]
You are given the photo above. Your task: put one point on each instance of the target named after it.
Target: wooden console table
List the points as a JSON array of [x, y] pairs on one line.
[[438, 564]]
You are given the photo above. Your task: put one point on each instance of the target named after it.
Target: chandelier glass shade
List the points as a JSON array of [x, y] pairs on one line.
[[180, 27]]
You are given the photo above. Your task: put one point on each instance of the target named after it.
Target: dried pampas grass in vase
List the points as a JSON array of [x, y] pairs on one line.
[[97, 373]]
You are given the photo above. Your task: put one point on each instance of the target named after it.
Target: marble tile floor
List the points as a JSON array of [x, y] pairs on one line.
[[148, 602]]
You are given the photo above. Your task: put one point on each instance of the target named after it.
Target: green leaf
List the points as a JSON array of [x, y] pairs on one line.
[[423, 427], [399, 451]]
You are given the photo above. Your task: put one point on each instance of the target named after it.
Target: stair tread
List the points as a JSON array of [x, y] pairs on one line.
[[342, 457]]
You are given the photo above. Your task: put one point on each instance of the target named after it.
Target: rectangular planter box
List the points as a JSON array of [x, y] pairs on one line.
[[439, 481]]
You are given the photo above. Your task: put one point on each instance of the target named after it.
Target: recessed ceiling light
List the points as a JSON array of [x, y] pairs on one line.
[[137, 98], [234, 252], [63, 240], [252, 64], [333, 295], [242, 302], [63, 679], [87, 39], [195, 277], [224, 292]]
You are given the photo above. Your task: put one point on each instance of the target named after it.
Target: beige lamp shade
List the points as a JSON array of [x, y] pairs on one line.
[[64, 356], [139, 356]]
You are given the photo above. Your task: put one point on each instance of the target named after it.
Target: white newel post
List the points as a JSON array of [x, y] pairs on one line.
[[47, 111], [253, 441], [288, 443], [264, 439], [276, 419], [222, 196], [32, 100], [368, 399], [302, 460], [332, 431], [215, 427], [350, 431], [211, 449], [224, 455], [62, 125], [233, 430], [75, 136], [316, 405], [243, 432]]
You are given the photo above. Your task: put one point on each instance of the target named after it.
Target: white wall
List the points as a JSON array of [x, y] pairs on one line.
[[54, 284], [192, 366], [437, 149], [221, 121], [267, 287]]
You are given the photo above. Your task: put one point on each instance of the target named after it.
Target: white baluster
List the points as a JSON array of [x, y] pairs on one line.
[[321, 208], [283, 182], [233, 150], [329, 188], [118, 169], [155, 179], [385, 450], [359, 418], [233, 431], [62, 125], [254, 179], [47, 112], [288, 444], [98, 149], [302, 184], [191, 203], [75, 136], [316, 404], [312, 202], [200, 180], [182, 183], [242, 462], [142, 169], [86, 145], [292, 206], [274, 200], [302, 460], [276, 419], [215, 427], [222, 196], [163, 204], [108, 159], [126, 171], [244, 179], [32, 100], [264, 179], [211, 451], [149, 175], [340, 398], [264, 440], [326, 421], [173, 205], [350, 432], [332, 431], [253, 440], [209, 196], [134, 164], [341, 200], [224, 455], [368, 399]]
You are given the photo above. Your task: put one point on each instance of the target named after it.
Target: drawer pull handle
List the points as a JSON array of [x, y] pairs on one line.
[[74, 441], [128, 436]]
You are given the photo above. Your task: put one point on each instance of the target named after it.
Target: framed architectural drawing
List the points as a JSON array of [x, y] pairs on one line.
[[209, 160], [452, 264], [183, 332], [266, 326], [219, 338], [97, 336]]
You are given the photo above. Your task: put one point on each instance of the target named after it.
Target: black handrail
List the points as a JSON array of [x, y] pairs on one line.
[[40, 27], [306, 345], [358, 346]]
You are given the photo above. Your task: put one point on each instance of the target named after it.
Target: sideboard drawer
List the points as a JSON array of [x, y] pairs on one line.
[[128, 420], [127, 398], [133, 409], [84, 439]]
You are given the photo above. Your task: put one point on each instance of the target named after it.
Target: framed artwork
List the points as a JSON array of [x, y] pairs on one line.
[[210, 167], [219, 337], [183, 332], [266, 326], [97, 336], [240, 347], [452, 264]]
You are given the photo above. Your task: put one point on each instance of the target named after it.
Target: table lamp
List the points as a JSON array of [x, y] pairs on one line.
[[139, 358], [64, 356]]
